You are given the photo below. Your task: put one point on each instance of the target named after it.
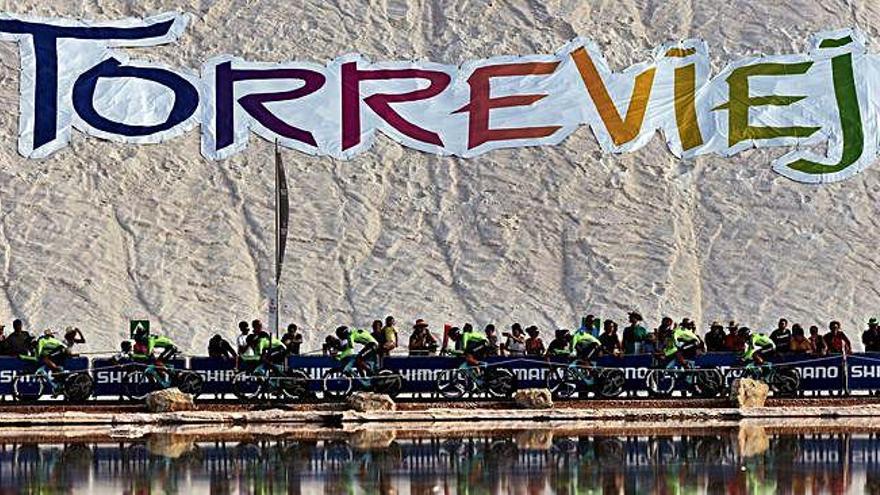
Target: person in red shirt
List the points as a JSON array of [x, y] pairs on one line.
[[837, 341], [732, 341]]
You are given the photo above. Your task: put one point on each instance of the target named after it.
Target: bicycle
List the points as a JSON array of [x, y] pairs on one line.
[[466, 379], [140, 382], [784, 382], [270, 383], [565, 381], [76, 387], [339, 383], [702, 382]]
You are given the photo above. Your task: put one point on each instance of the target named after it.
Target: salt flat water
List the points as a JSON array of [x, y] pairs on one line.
[[735, 460]]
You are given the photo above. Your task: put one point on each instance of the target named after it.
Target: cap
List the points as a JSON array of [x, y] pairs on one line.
[[420, 323]]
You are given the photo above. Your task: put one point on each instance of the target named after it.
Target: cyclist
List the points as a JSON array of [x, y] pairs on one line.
[[585, 347], [49, 352], [561, 343], [366, 359], [474, 346], [145, 346], [682, 344], [271, 351], [758, 346]]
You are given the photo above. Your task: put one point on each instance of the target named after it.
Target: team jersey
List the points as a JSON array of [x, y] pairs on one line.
[[758, 342], [357, 336], [46, 346], [680, 338]]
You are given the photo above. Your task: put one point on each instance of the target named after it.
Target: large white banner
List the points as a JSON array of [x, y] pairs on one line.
[[75, 75]]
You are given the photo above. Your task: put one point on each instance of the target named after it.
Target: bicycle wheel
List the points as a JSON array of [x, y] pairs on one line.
[[138, 384], [387, 382], [562, 382], [500, 382], [337, 384], [610, 383], [28, 388], [784, 381], [295, 385], [189, 382], [78, 388], [246, 386], [660, 382], [707, 382], [453, 384]]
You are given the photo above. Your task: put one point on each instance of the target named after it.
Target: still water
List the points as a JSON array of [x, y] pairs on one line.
[[733, 460]]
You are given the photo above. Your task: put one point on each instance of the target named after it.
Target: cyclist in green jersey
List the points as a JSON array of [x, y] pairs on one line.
[[585, 346], [758, 346], [145, 346], [48, 351], [366, 359], [472, 345], [681, 344]]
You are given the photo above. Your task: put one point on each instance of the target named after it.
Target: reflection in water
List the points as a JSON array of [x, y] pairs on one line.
[[533, 462]]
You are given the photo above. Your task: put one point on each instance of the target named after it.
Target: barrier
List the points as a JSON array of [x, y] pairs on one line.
[[11, 367], [858, 372], [108, 376]]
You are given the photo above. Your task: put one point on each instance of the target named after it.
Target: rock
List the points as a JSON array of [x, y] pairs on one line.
[[745, 393], [370, 402], [169, 400], [752, 440], [533, 398]]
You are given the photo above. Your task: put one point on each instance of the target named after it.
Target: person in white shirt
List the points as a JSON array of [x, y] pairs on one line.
[[244, 349]]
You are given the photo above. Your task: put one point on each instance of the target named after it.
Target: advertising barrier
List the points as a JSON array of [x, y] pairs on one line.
[[856, 372]]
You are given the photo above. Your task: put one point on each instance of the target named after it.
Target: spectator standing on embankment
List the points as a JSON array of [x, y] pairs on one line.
[[871, 336], [836, 340]]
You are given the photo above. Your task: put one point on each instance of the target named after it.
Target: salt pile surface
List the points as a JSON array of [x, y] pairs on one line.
[[103, 232]]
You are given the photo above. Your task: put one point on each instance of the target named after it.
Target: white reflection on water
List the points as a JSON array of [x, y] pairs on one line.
[[534, 462]]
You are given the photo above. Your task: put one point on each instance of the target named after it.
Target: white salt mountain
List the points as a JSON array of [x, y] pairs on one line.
[[100, 232]]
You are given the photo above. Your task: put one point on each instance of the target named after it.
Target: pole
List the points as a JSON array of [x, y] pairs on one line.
[[277, 294]]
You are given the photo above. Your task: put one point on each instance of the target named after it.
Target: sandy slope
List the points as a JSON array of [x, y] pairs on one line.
[[103, 232]]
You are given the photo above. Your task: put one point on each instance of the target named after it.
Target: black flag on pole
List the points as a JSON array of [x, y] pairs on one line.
[[282, 206]]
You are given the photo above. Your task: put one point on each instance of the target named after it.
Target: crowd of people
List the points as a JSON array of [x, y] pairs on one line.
[[254, 343], [634, 339]]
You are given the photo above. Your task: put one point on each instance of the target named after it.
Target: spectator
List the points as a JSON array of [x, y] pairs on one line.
[[331, 346], [258, 331], [781, 337], [590, 324], [124, 354], [515, 345], [609, 339], [836, 340], [534, 344], [292, 339], [19, 341], [388, 341], [492, 337], [72, 338], [242, 340], [732, 341], [800, 344], [715, 338], [871, 336], [820, 348], [220, 348], [421, 342], [634, 335]]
